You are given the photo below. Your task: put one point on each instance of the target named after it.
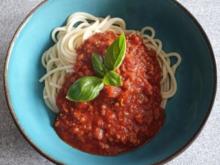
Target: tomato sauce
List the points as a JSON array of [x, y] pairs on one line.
[[120, 118]]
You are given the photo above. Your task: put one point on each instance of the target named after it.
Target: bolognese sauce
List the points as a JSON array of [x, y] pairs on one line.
[[120, 118]]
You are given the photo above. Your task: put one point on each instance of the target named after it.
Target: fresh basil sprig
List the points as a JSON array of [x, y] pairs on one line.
[[88, 88]]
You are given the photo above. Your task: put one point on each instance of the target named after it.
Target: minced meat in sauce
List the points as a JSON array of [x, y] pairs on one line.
[[120, 118]]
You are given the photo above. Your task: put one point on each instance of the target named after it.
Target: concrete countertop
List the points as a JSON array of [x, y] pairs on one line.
[[14, 150]]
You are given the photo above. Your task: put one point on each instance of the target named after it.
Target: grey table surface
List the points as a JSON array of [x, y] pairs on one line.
[[14, 150]]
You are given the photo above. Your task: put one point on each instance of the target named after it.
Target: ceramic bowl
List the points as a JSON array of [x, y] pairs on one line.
[[186, 113]]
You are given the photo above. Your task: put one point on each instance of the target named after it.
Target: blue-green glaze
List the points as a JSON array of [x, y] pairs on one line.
[[185, 113]]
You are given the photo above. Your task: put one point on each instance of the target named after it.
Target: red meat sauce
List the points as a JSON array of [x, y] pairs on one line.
[[120, 118]]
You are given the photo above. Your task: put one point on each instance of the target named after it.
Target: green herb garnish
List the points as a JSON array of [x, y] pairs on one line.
[[98, 66], [88, 88], [85, 89], [112, 78], [115, 53]]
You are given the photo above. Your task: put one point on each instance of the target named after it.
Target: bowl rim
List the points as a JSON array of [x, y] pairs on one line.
[[165, 160]]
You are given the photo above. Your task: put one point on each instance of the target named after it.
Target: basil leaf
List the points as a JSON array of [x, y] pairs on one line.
[[97, 64], [112, 78], [115, 53], [85, 89]]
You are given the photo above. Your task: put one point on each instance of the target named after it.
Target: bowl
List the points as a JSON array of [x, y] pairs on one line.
[[186, 113]]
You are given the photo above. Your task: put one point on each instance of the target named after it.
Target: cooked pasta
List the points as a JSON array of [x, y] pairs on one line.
[[60, 58]]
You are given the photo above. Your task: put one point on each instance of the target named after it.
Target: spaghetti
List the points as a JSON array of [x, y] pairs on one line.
[[60, 58]]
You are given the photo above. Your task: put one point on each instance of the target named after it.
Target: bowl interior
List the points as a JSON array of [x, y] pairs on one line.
[[185, 112]]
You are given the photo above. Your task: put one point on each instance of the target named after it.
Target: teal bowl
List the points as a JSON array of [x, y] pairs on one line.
[[186, 113]]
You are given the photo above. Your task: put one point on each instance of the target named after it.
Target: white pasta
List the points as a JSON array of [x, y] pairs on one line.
[[60, 58]]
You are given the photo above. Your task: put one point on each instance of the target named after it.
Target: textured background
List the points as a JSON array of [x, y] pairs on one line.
[[15, 150]]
